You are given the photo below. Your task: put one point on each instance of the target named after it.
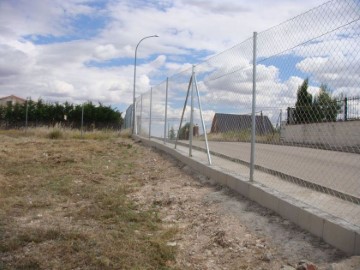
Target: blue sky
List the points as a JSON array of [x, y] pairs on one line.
[[79, 50]]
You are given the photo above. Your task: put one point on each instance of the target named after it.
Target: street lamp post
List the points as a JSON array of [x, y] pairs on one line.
[[133, 109]]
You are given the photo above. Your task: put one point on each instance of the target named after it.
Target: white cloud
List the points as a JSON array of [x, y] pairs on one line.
[[60, 89], [188, 30], [46, 17], [12, 62], [233, 93], [333, 62], [105, 52]]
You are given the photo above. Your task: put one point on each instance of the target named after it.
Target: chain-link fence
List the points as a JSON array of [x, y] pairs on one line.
[[284, 104]]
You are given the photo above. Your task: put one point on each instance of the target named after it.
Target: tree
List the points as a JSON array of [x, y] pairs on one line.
[[57, 113], [2, 113], [9, 116], [41, 111], [172, 133], [45, 113], [184, 132], [325, 107], [303, 105], [31, 109], [68, 110]]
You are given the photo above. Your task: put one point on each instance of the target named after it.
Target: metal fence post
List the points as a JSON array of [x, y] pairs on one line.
[[345, 109], [141, 109], [135, 120], [253, 126], [166, 103], [150, 113], [191, 112], [202, 121], [184, 108]]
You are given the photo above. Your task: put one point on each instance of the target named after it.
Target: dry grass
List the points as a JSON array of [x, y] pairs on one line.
[[59, 132], [64, 203]]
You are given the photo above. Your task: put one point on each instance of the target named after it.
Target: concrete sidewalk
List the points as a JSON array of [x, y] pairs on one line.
[[333, 219]]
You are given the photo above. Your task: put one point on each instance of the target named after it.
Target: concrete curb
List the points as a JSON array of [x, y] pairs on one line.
[[331, 229]]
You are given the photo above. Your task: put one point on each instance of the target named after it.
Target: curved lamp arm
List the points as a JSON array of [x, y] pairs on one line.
[[133, 110]]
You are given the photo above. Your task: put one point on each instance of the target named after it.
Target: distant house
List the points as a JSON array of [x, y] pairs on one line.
[[11, 100], [223, 122]]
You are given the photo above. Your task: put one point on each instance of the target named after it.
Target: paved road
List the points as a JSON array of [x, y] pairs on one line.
[[336, 170]]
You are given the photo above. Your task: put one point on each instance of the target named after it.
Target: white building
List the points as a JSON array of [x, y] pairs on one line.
[[11, 100]]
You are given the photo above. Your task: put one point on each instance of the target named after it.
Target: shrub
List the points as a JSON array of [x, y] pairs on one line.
[[55, 134]]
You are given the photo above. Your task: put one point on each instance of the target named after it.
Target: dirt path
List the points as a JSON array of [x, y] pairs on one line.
[[221, 230]]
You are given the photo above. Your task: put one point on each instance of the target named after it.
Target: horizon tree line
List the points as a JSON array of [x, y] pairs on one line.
[[45, 113]]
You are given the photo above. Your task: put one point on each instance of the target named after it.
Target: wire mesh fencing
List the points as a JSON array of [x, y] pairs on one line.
[[283, 103]]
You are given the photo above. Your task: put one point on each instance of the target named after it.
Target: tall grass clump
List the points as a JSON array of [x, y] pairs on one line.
[[125, 133], [100, 135], [55, 134]]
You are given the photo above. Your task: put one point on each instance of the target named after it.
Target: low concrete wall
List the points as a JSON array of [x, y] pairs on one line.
[[332, 230], [337, 134]]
